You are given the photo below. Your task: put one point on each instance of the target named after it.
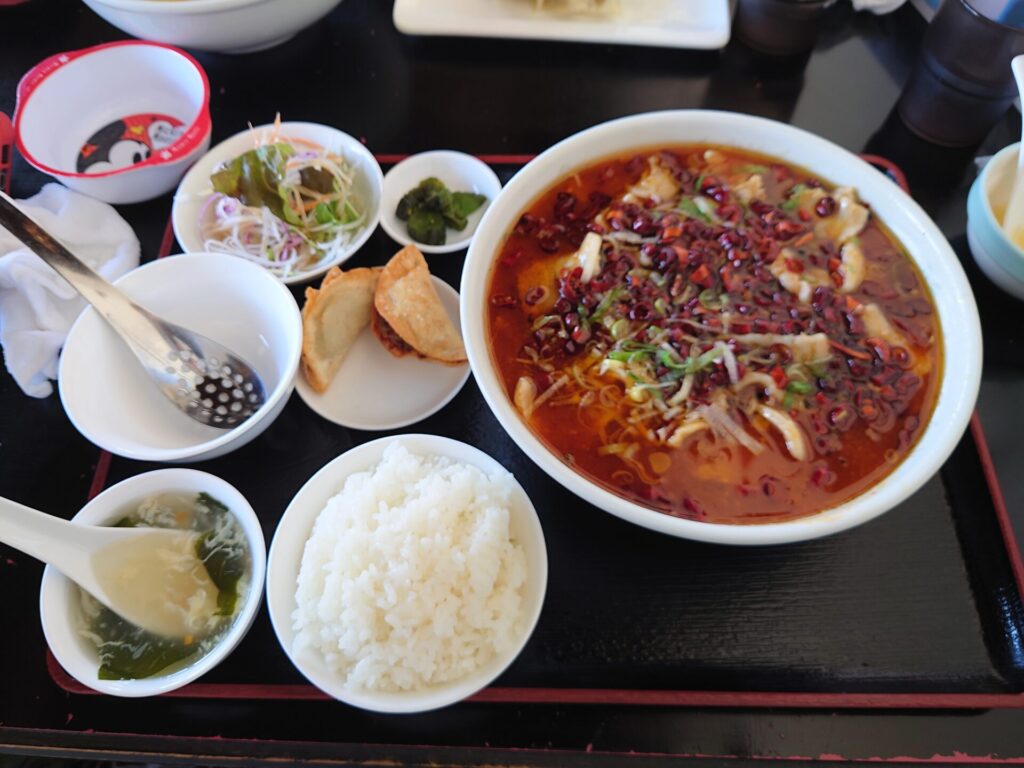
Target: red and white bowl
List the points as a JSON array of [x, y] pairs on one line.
[[120, 122]]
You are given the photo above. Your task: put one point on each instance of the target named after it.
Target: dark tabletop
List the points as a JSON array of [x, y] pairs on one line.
[[402, 95]]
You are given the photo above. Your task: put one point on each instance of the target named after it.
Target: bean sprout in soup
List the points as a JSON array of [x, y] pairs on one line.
[[715, 334]]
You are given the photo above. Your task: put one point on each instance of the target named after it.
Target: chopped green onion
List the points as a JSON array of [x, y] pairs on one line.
[[689, 207], [700, 181], [709, 299], [793, 197], [620, 328], [754, 168], [661, 306], [606, 302], [787, 401], [543, 320], [799, 387]]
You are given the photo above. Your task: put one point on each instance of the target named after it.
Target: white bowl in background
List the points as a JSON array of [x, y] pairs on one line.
[[459, 172], [120, 122], [112, 401], [999, 257], [289, 543], [195, 189], [59, 605], [958, 314], [225, 26]]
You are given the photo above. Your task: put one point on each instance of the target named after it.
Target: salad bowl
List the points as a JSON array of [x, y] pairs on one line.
[[196, 206]]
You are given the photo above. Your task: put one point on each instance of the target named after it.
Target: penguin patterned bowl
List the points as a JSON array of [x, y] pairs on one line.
[[120, 122]]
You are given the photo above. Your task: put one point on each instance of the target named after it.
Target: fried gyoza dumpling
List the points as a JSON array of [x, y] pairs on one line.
[[332, 319], [407, 300]]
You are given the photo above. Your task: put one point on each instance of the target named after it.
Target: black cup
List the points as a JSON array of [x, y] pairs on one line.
[[779, 27], [961, 84]]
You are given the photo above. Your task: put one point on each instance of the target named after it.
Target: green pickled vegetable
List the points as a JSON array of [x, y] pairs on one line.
[[427, 227], [430, 205]]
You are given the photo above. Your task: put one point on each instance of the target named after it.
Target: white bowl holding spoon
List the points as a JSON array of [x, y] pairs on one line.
[[114, 404], [294, 529], [458, 171], [195, 189], [374, 390], [224, 26], [120, 122], [59, 597]]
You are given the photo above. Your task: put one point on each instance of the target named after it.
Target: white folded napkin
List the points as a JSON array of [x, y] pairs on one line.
[[37, 307]]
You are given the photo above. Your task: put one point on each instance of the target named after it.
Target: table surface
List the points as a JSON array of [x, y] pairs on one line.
[[404, 94]]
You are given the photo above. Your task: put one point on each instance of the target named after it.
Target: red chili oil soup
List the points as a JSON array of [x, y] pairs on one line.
[[714, 334]]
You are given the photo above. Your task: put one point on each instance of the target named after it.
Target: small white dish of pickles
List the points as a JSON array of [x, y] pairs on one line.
[[436, 199]]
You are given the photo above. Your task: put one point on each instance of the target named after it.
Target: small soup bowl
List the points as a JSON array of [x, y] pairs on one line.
[[961, 332], [1001, 259], [59, 597]]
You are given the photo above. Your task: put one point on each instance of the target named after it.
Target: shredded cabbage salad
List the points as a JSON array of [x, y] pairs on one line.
[[288, 205]]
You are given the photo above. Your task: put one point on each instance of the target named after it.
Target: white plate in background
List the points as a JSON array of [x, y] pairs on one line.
[[664, 23]]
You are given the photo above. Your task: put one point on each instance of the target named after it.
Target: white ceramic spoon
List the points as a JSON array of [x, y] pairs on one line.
[[1013, 219], [145, 575]]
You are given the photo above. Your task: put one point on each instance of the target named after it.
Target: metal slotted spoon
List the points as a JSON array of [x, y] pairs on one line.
[[203, 379]]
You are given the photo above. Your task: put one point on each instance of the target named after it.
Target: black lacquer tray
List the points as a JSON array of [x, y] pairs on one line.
[[920, 608]]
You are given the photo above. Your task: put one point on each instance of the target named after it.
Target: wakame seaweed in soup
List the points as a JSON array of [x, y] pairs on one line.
[[129, 652]]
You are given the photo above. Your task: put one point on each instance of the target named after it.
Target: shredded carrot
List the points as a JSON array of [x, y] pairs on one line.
[[804, 239]]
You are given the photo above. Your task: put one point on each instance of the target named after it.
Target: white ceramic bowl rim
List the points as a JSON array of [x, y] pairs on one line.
[[920, 236], [168, 479], [191, 139], [180, 6], [281, 389]]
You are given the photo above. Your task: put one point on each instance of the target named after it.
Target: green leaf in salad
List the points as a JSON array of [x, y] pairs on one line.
[[317, 179], [255, 178], [324, 214]]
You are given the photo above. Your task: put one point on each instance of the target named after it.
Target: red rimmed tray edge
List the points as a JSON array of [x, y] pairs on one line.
[[760, 699]]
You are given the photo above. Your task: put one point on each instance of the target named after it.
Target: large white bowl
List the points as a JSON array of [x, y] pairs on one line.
[[961, 331], [129, 88], [59, 597], [195, 189], [226, 26], [112, 401], [286, 558]]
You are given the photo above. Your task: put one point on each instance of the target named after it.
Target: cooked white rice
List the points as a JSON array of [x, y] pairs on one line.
[[410, 577]]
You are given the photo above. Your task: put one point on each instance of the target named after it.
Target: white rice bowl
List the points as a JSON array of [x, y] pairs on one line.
[[410, 578]]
